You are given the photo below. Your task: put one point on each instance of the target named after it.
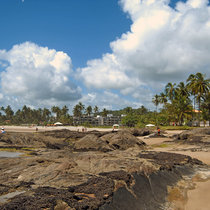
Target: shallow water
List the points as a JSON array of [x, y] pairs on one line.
[[6, 154]]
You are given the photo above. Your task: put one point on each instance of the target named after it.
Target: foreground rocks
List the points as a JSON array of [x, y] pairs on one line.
[[88, 171]]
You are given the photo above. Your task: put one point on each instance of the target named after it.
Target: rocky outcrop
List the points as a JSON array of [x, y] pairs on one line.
[[96, 171], [139, 189], [195, 136], [122, 140], [91, 142]]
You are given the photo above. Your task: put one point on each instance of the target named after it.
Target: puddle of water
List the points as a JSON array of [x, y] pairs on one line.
[[8, 196], [6, 154]]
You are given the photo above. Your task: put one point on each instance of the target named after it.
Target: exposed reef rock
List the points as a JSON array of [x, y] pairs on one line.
[[122, 140], [91, 142], [93, 170], [195, 136]]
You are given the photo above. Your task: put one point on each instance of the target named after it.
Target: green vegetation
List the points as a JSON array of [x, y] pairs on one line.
[[180, 105], [177, 103]]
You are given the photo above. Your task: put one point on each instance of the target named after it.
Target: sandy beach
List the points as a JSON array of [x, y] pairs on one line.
[[49, 128], [197, 198]]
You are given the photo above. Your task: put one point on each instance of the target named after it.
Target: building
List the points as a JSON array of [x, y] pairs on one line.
[[97, 121]]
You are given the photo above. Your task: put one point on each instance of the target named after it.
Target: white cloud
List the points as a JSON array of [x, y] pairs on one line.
[[163, 45], [108, 100], [37, 75]]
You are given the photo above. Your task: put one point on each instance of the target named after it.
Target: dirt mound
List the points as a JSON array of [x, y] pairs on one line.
[[122, 140], [91, 142]]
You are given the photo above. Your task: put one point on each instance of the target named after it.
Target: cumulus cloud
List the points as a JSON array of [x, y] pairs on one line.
[[164, 44], [37, 75], [109, 100]]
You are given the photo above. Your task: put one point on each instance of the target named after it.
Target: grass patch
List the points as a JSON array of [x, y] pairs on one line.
[[9, 149]]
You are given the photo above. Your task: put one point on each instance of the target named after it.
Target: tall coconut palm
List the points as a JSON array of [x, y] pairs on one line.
[[163, 98], [64, 110], [202, 87], [96, 109], [182, 89], [205, 105], [81, 106], [88, 110], [104, 112], [57, 111], [156, 101], [191, 80], [170, 90]]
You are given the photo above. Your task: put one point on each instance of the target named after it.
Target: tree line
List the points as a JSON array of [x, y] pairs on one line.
[[178, 104], [186, 102], [44, 116]]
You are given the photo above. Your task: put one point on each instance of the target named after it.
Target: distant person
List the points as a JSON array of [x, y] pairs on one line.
[[36, 129], [158, 130], [3, 131]]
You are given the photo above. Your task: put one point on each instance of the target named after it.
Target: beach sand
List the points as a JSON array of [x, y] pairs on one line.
[[199, 197]]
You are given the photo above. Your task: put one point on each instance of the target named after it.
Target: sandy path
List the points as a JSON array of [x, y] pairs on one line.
[[43, 128]]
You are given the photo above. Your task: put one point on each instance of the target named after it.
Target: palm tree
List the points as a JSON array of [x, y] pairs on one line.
[[46, 114], [57, 111], [128, 110], [9, 112], [89, 110], [170, 90], [200, 87], [163, 98], [81, 107], [77, 111], [156, 101], [104, 112], [205, 105], [182, 90], [191, 80], [64, 110], [96, 109]]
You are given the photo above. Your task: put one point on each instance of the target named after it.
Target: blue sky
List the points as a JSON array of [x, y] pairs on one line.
[[83, 28], [102, 52]]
